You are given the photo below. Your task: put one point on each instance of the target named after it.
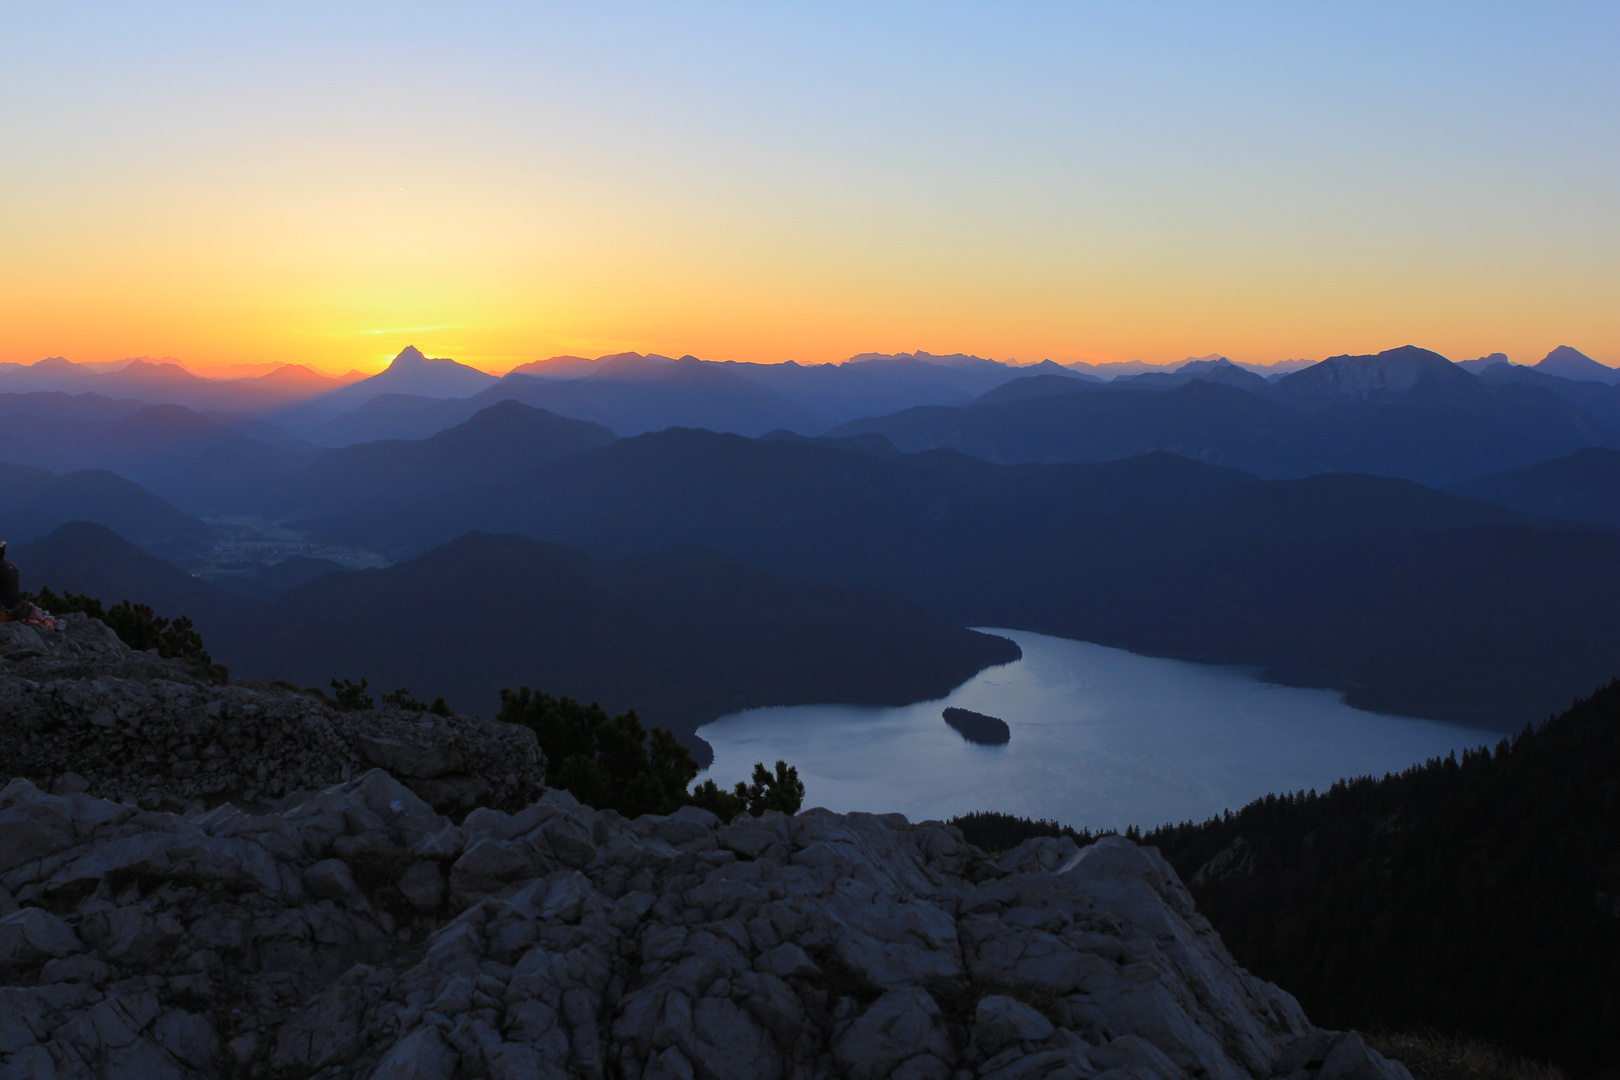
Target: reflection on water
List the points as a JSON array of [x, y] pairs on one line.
[[1100, 737]]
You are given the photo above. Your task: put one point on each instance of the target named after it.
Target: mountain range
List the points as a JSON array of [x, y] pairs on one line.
[[631, 393], [1358, 576], [1208, 513], [195, 462], [169, 383], [1406, 412]]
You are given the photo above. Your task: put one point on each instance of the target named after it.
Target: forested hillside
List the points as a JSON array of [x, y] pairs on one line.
[[1478, 896]]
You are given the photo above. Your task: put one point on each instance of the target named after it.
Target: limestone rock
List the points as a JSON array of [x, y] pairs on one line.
[[423, 885], [1000, 1021], [82, 712], [31, 935], [346, 928]]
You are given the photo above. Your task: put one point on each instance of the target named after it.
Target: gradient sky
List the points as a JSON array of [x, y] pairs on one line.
[[322, 183]]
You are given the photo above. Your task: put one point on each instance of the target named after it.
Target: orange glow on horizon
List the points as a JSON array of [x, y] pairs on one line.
[[233, 185]]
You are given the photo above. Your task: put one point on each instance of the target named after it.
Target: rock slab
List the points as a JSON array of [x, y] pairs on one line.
[[360, 934]]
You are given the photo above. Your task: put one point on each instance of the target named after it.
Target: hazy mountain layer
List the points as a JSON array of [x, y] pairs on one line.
[[1585, 486], [502, 440], [168, 383], [1417, 600], [682, 635], [1408, 413], [34, 502], [196, 463]]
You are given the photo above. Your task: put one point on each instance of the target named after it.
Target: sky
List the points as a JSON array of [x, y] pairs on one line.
[[326, 183]]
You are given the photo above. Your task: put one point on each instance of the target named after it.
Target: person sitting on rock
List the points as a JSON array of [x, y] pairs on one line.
[[11, 601]]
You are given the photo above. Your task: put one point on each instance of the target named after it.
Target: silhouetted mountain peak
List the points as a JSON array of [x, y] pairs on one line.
[[1033, 386], [1480, 364], [952, 360], [1212, 362], [631, 365], [555, 367], [1568, 363], [300, 377], [161, 369], [509, 424], [1393, 371], [410, 373]]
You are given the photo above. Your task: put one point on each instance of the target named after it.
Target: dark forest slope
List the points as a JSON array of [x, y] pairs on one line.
[[1479, 896], [502, 440], [684, 635], [1416, 601], [1585, 486]]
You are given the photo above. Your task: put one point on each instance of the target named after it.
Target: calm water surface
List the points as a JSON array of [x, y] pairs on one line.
[[1100, 737]]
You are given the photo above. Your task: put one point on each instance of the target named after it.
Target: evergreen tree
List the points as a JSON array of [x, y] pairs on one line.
[[614, 763]]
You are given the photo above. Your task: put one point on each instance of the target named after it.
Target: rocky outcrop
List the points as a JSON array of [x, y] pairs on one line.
[[360, 934], [355, 932], [82, 711]]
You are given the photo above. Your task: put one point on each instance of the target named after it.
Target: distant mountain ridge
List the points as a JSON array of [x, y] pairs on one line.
[[632, 393], [1405, 412], [167, 382]]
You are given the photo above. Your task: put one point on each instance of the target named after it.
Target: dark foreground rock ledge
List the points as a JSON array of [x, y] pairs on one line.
[[80, 709], [359, 934], [355, 932]]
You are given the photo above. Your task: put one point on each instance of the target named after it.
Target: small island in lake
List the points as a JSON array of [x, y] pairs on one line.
[[979, 728]]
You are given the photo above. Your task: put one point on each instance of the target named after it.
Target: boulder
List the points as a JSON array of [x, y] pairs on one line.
[[1001, 1021], [31, 936]]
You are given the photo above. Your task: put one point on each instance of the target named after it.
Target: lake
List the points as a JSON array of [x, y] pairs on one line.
[[1100, 738]]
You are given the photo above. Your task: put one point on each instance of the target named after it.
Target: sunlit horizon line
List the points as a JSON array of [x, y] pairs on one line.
[[501, 366], [505, 366]]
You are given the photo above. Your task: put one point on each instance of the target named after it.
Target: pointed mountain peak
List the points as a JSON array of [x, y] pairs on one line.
[[1205, 363], [1566, 352], [1570, 363], [409, 356]]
